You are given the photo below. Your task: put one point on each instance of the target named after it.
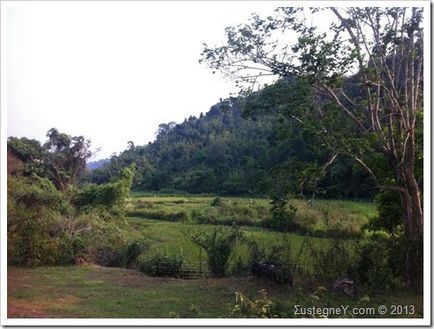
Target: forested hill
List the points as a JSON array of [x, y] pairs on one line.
[[222, 152]]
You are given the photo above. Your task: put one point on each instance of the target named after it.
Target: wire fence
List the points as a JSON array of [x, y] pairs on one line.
[[188, 272]]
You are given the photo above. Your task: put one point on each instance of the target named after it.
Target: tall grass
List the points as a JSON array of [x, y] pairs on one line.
[[320, 218], [173, 239]]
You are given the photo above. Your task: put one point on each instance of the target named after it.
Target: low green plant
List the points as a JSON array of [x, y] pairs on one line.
[[180, 216], [282, 216], [332, 260], [99, 240], [133, 250], [389, 212], [281, 253], [112, 195], [218, 244], [204, 215], [259, 307], [381, 261], [162, 265], [216, 202], [276, 253]]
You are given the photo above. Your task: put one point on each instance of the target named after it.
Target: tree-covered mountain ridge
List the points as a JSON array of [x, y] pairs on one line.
[[228, 151]]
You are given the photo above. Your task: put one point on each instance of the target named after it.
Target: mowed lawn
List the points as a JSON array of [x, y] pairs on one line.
[[94, 291], [98, 292]]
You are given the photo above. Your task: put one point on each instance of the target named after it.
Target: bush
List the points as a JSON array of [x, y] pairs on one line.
[[282, 217], [34, 211], [389, 212], [216, 202], [111, 196], [44, 229], [373, 266], [204, 216], [281, 252], [218, 244], [259, 307], [162, 265], [331, 261], [382, 259], [133, 250], [94, 237], [182, 216]]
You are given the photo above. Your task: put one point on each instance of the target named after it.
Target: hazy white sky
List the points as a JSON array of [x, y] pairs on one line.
[[113, 71]]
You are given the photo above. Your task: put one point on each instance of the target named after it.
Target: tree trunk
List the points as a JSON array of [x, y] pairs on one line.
[[412, 219]]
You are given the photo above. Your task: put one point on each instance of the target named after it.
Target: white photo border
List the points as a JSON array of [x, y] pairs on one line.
[[395, 322]]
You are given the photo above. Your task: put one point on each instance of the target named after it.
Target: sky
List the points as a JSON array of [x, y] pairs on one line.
[[113, 71]]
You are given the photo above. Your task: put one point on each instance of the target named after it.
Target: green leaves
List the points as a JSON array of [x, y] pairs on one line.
[[218, 244]]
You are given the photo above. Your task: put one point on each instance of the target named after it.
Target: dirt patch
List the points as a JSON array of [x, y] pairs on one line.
[[21, 309], [37, 309], [135, 279]]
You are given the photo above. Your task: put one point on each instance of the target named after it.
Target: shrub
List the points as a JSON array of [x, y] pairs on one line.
[[282, 216], [389, 212], [162, 265], [216, 202], [34, 210], [218, 244], [373, 266], [204, 215], [94, 237], [182, 216], [44, 229], [259, 307], [398, 247], [239, 267], [281, 252], [331, 260], [111, 196], [133, 250], [382, 259]]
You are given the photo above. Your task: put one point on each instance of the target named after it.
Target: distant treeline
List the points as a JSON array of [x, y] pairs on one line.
[[225, 152]]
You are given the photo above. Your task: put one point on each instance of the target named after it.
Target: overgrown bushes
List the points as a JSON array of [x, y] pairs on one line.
[[180, 216], [282, 216], [376, 261], [389, 212], [380, 261], [34, 211], [229, 213], [218, 244], [162, 265], [112, 195], [44, 227], [48, 227], [331, 260]]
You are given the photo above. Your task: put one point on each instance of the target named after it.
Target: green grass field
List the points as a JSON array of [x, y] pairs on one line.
[[317, 217], [173, 238], [167, 222], [93, 291]]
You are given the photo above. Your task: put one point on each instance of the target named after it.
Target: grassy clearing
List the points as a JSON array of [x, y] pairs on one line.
[[318, 218], [91, 291], [167, 222], [173, 239]]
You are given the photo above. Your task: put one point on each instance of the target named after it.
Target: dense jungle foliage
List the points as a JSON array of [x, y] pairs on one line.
[[228, 152]]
